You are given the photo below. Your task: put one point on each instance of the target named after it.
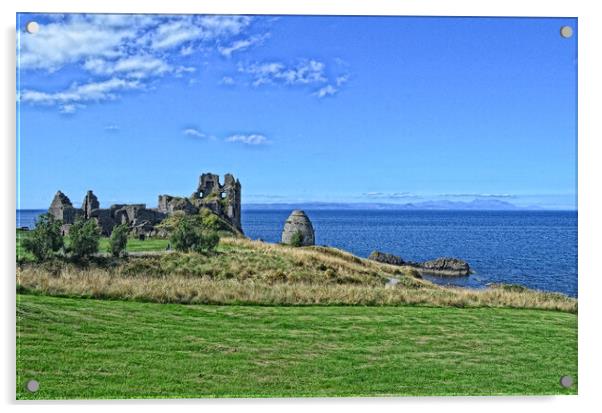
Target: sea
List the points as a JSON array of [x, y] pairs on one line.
[[536, 249]]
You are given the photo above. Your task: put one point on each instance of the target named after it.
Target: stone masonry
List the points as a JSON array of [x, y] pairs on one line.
[[223, 200]]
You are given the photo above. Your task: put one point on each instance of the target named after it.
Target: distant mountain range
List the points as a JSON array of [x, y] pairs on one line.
[[477, 204]]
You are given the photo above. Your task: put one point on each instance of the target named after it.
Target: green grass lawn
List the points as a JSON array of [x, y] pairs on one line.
[[84, 348], [133, 245], [136, 245]]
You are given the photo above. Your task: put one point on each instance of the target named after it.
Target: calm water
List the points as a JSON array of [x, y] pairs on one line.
[[535, 249]]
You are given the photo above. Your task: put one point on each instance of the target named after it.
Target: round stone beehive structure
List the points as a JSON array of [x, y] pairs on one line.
[[298, 222]]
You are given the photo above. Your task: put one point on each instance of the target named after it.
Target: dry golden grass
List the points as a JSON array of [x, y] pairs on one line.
[[253, 272], [99, 283]]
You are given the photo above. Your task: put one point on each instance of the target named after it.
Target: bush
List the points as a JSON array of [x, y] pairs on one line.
[[208, 241], [297, 239], [45, 239], [205, 220], [119, 240], [189, 235], [210, 221], [85, 237]]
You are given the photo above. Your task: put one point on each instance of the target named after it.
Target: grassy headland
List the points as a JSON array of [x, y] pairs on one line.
[[311, 321], [252, 272]]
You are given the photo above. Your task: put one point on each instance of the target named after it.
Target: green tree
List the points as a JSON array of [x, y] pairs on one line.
[[297, 239], [45, 239], [85, 237], [190, 235], [119, 240]]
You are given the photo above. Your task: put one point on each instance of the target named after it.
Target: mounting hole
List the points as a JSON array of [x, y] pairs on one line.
[[32, 27], [566, 32], [32, 386], [566, 381]]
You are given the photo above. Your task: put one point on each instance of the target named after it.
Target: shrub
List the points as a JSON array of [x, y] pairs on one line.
[[119, 240], [205, 219], [210, 221], [208, 241], [297, 239], [189, 235], [45, 239], [85, 237], [413, 272]]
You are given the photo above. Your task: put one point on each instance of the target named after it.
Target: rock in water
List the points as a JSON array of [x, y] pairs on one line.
[[446, 266], [386, 258], [298, 222]]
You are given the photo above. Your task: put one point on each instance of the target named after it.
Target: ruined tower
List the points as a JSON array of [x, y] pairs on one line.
[[224, 200]]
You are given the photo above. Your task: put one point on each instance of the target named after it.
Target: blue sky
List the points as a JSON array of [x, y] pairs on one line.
[[341, 109]]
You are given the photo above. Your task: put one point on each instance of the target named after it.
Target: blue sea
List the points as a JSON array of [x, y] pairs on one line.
[[537, 249]]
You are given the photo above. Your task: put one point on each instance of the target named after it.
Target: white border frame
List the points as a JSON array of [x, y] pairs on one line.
[[590, 208]]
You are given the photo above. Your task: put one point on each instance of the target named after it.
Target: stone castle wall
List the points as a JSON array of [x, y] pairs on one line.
[[224, 200]]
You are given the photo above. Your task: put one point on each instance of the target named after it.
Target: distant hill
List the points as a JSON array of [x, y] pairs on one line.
[[476, 204]]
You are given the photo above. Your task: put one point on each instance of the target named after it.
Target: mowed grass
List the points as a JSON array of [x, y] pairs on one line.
[[84, 348], [137, 245], [133, 245]]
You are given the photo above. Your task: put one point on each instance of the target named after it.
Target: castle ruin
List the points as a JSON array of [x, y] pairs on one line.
[[223, 200]]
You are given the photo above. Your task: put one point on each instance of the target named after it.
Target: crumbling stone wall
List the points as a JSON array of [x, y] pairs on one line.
[[224, 200]]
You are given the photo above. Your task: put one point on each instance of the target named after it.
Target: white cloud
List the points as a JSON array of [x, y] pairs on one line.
[[119, 50], [68, 109], [331, 90], [327, 90], [477, 195], [242, 44], [227, 80], [186, 50], [137, 67], [94, 91], [223, 26], [305, 72], [174, 33], [57, 44], [389, 195], [252, 139], [181, 70], [195, 133], [183, 29], [112, 128], [341, 80]]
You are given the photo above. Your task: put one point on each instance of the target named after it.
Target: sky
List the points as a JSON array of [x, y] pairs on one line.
[[299, 108]]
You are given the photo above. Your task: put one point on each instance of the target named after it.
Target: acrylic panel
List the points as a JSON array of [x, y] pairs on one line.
[[285, 206]]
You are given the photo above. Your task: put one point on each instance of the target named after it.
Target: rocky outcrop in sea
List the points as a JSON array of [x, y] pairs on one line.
[[443, 266]]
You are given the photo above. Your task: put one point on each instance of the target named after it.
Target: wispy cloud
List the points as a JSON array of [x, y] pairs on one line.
[[118, 50], [330, 89], [88, 92], [303, 73], [341, 80], [137, 67], [181, 31], [112, 128], [70, 108], [227, 80], [252, 139], [477, 195], [195, 133], [131, 52], [401, 195], [242, 44], [390, 195], [327, 90]]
